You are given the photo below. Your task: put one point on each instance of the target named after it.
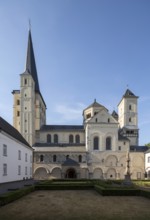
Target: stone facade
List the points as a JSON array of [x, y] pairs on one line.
[[97, 149]]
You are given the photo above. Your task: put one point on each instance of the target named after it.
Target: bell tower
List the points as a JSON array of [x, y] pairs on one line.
[[128, 117], [29, 107]]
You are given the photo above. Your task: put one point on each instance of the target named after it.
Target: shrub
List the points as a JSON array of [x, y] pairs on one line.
[[64, 187], [117, 192], [11, 196], [145, 193]]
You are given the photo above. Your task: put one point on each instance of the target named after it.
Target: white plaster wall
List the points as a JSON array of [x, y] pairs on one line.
[[12, 159], [147, 164]]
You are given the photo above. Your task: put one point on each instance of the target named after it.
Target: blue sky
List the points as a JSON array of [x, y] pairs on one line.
[[84, 49]]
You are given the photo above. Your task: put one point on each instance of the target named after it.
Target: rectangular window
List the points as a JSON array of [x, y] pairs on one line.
[[4, 169], [18, 102], [31, 159], [25, 81], [148, 159], [19, 154], [26, 157], [119, 148], [26, 170], [18, 113], [130, 107], [5, 150], [19, 170]]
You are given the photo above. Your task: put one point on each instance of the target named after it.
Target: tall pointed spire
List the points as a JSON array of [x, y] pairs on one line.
[[30, 62]]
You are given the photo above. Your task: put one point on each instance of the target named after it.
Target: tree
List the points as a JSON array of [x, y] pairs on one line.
[[148, 144]]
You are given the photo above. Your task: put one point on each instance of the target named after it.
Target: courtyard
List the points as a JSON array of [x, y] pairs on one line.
[[75, 205]]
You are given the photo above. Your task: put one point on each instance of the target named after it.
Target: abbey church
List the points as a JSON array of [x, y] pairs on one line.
[[96, 149]]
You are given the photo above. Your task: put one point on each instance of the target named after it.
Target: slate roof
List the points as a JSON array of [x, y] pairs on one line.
[[62, 128], [115, 115], [138, 148], [70, 162], [31, 66], [120, 137], [129, 94], [30, 63], [63, 145], [95, 104], [9, 129]]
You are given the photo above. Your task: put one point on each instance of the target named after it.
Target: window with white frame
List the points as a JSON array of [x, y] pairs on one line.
[[26, 157], [148, 160], [5, 150], [19, 154], [19, 170], [5, 169]]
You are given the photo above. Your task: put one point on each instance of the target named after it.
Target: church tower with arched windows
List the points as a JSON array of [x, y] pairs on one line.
[[29, 107], [128, 117], [96, 149]]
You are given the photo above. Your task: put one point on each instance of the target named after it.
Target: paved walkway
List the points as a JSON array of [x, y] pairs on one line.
[[11, 186]]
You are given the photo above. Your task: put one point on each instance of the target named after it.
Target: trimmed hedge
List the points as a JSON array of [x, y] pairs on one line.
[[145, 193], [117, 192], [11, 196], [64, 187], [102, 187]]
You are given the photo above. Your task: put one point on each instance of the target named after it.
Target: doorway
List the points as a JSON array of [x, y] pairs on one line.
[[71, 174]]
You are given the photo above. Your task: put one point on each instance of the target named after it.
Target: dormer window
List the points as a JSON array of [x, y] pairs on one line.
[[108, 120], [95, 119], [25, 81]]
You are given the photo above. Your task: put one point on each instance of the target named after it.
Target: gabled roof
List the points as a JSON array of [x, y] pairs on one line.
[[70, 162], [62, 128], [95, 104], [114, 114], [9, 129]]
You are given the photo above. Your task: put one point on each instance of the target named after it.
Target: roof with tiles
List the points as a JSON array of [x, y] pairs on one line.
[[129, 94], [62, 128], [70, 162], [138, 148], [95, 104]]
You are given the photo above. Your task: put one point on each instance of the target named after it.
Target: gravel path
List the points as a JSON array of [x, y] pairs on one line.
[[75, 205]]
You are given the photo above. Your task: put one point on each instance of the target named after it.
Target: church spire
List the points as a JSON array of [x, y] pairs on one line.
[[30, 62]]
